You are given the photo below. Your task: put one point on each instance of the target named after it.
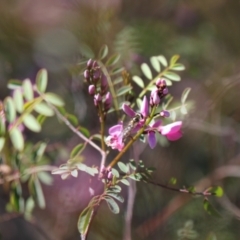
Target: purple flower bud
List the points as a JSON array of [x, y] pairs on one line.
[[165, 113], [104, 81], [97, 99], [95, 64], [144, 107], [89, 63], [96, 74], [103, 169], [91, 89], [161, 83], [165, 91], [154, 98], [86, 74], [109, 176], [108, 98], [108, 101]]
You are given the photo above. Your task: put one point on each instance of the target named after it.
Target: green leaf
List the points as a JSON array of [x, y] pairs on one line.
[[173, 181], [42, 80], [178, 67], [97, 137], [162, 60], [39, 194], [43, 109], [27, 89], [115, 172], [138, 81], [2, 126], [123, 167], [77, 150], [54, 99], [123, 90], [210, 209], [116, 70], [74, 173], [40, 151], [173, 60], [146, 71], [45, 178], [14, 83], [185, 94], [72, 119], [2, 141], [115, 189], [84, 131], [31, 123], [113, 59], [18, 99], [117, 80], [183, 109], [90, 170], [155, 63], [9, 109], [30, 204], [103, 52], [17, 138], [135, 177], [132, 164], [125, 181], [217, 191], [41, 119], [84, 221], [172, 76], [116, 196], [113, 206]]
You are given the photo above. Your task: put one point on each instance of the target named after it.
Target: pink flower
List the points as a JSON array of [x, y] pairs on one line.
[[172, 131], [114, 140]]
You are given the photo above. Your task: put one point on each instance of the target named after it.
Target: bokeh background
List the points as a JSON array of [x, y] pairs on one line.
[[57, 34]]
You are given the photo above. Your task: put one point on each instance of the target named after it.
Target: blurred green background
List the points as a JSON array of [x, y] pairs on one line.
[[206, 34]]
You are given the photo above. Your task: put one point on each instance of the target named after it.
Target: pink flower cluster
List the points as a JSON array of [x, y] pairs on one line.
[[172, 131]]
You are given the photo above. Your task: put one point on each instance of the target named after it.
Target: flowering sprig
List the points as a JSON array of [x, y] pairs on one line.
[[98, 86], [116, 138]]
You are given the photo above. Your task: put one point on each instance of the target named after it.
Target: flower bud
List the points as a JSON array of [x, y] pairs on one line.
[[108, 101], [110, 176], [89, 63], [154, 98], [91, 89], [160, 83], [95, 64], [104, 81], [96, 75], [165, 113], [86, 74], [165, 91], [97, 99]]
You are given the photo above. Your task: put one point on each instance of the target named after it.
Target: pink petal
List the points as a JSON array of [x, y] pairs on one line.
[[116, 129], [152, 139], [174, 136], [144, 107], [156, 124], [128, 110], [171, 128]]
